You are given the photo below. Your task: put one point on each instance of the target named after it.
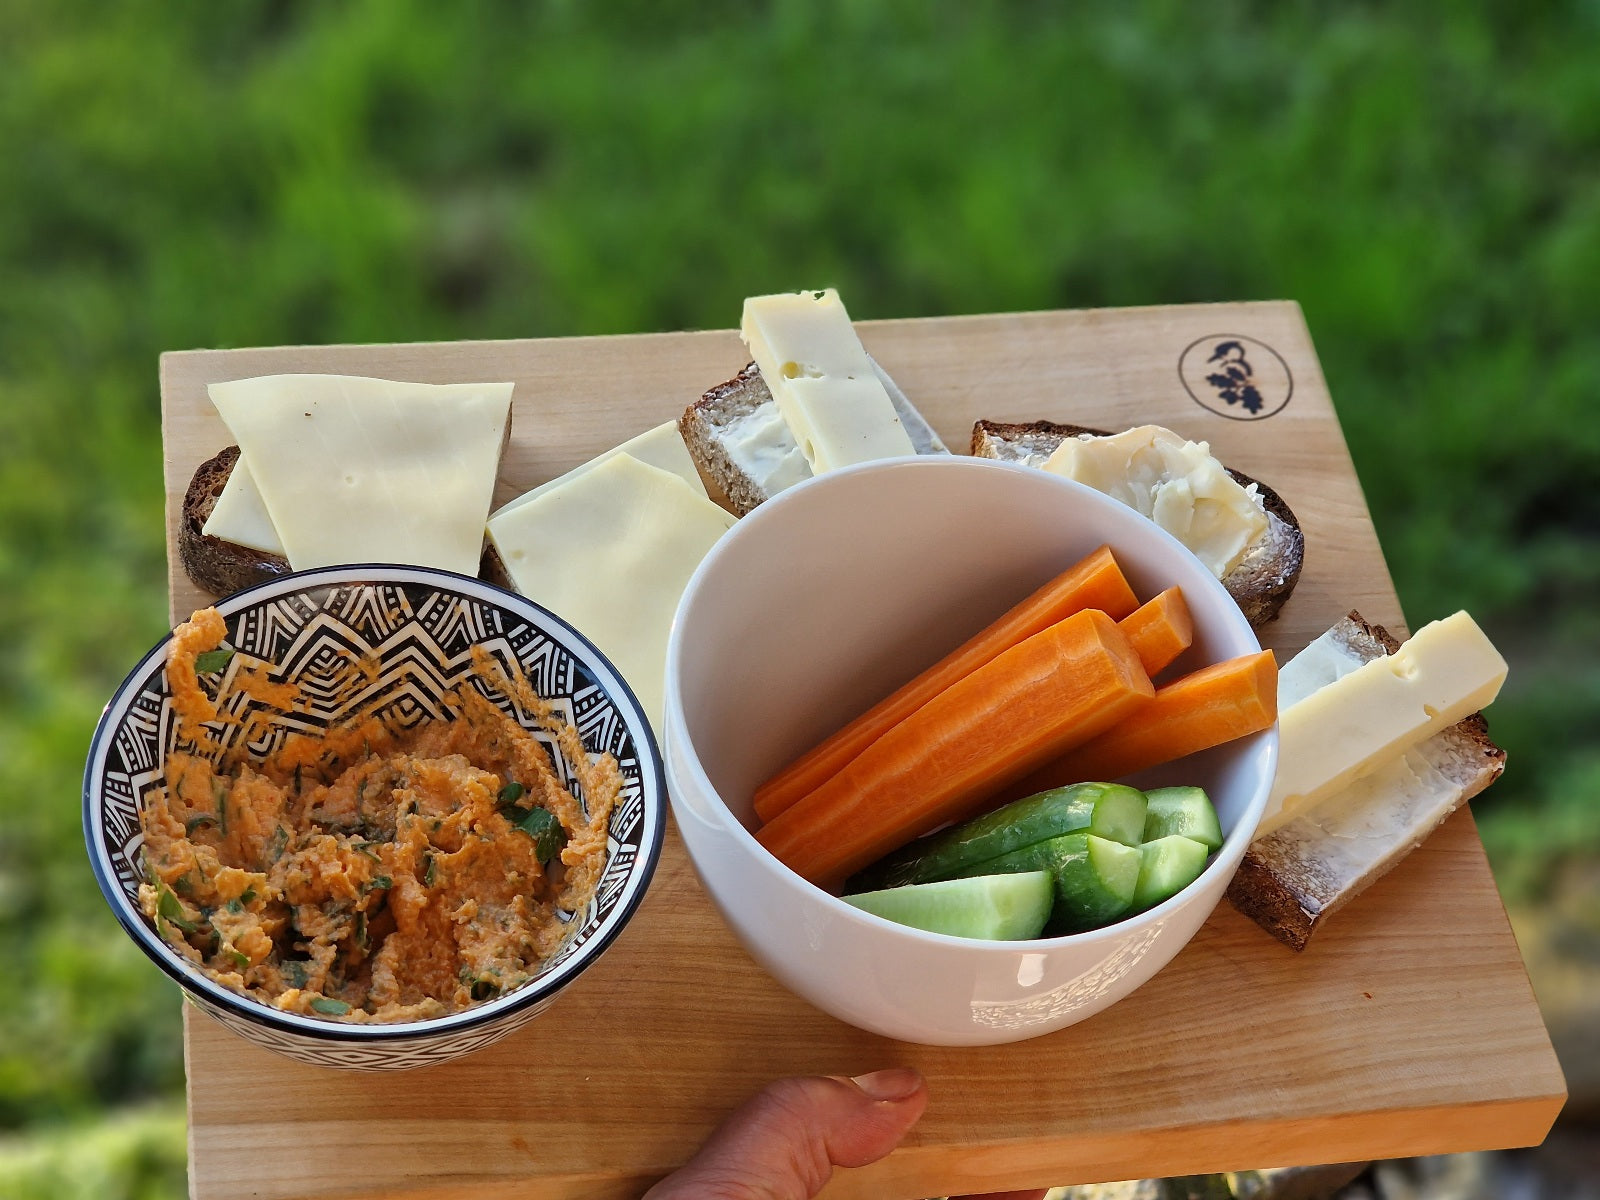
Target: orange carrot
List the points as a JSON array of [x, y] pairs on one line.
[[1213, 705], [1160, 630], [1023, 708], [1094, 582]]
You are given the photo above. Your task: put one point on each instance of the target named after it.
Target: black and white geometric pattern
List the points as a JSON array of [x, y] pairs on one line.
[[391, 641]]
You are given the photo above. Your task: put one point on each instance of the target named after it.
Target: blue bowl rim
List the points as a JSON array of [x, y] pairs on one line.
[[544, 987]]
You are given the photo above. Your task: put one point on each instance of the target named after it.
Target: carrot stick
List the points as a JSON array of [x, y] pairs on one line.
[[1093, 582], [1026, 706], [1215, 704], [1160, 630]]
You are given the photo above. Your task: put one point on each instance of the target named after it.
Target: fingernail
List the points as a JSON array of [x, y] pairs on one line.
[[895, 1083]]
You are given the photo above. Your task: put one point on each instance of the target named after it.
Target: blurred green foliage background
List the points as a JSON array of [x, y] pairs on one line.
[[1425, 182]]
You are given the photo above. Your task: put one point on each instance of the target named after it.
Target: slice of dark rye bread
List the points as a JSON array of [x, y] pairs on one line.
[[1293, 879], [218, 566], [1262, 581], [708, 424]]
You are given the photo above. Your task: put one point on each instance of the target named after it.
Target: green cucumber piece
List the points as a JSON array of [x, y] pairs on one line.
[[1167, 866], [1094, 878], [1109, 810], [1181, 810], [996, 908]]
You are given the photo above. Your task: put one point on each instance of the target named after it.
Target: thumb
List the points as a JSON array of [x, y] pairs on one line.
[[784, 1143]]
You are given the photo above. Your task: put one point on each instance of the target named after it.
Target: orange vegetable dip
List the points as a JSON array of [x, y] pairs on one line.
[[364, 875]]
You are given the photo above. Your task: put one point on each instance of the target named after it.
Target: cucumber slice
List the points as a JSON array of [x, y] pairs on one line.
[[1109, 810], [1167, 866], [1181, 810], [996, 908], [1094, 878]]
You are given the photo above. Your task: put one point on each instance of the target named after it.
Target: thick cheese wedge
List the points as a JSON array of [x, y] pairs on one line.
[[1176, 483], [370, 470], [822, 380], [240, 515], [610, 549], [659, 447], [1354, 723]]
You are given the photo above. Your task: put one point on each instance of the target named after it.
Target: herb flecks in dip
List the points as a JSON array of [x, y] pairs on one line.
[[367, 875]]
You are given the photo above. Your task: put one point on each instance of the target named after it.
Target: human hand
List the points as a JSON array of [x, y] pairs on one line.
[[784, 1143]]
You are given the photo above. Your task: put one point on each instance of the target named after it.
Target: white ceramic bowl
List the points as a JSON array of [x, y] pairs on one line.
[[827, 598], [419, 627]]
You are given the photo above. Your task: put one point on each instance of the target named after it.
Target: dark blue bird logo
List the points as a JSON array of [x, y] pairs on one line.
[[1236, 376], [1234, 379]]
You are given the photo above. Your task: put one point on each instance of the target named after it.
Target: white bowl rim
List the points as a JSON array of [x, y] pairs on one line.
[[653, 793], [687, 758]]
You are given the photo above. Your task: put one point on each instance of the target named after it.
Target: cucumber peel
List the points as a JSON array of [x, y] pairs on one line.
[[1011, 907], [1108, 810], [1094, 878]]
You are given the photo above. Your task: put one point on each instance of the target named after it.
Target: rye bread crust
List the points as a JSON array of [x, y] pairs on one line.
[[1260, 584], [1283, 886], [215, 565]]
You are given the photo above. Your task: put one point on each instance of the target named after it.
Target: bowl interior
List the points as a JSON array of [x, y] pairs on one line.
[[824, 600], [418, 627]]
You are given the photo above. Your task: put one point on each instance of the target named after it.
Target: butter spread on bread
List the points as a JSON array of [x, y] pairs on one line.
[[1295, 877], [1174, 482], [370, 470], [1371, 715], [823, 383], [610, 547]]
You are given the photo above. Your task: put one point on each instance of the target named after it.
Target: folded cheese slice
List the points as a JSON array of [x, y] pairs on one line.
[[240, 515], [610, 548], [822, 380], [1353, 723], [370, 470]]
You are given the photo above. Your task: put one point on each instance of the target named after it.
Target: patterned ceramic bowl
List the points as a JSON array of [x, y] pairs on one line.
[[419, 626]]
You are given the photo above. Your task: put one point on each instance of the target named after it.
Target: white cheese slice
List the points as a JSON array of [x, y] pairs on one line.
[[822, 380], [661, 447], [611, 549], [240, 515], [1173, 481], [370, 470], [1342, 731]]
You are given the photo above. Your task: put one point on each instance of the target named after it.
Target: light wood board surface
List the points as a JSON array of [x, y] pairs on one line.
[[1407, 1028]]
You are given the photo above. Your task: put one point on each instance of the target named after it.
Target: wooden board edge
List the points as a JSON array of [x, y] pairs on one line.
[[914, 1172]]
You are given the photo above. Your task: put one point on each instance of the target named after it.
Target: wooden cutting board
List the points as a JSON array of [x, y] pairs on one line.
[[1407, 1028]]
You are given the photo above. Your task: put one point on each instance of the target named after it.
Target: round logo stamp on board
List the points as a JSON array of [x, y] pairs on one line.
[[1236, 376]]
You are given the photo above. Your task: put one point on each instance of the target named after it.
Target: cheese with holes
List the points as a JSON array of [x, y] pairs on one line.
[[1367, 717], [240, 516], [370, 470], [822, 380], [661, 447], [610, 549], [1176, 483]]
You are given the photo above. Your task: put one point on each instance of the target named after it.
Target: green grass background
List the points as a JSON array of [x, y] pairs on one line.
[[1425, 182]]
